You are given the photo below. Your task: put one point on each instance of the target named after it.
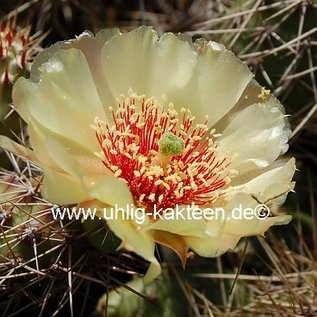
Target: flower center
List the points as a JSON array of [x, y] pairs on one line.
[[165, 158]]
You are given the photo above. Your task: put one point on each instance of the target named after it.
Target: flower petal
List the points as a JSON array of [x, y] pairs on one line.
[[59, 101], [132, 72], [91, 46], [244, 219], [138, 241], [197, 76], [55, 151], [273, 185], [249, 97], [49, 151], [269, 188], [183, 223], [212, 247], [173, 241], [86, 42], [63, 189], [258, 134], [219, 80], [110, 190]]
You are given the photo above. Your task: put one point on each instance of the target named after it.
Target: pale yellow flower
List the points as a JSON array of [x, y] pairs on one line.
[[141, 120]]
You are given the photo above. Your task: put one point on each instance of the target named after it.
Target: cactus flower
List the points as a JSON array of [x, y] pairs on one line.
[[17, 49], [156, 123]]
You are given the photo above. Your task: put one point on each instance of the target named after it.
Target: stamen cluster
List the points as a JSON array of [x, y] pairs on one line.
[[130, 148]]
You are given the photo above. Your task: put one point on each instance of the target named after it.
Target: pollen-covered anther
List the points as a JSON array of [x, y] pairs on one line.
[[165, 157]]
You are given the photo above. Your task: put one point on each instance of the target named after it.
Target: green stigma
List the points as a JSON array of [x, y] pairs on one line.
[[170, 144]]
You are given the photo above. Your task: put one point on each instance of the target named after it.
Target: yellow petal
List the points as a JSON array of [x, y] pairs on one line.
[[63, 189], [110, 190], [273, 185], [212, 247], [55, 151], [248, 98], [175, 242], [86, 42], [198, 76], [138, 241], [258, 134], [215, 85], [50, 150], [59, 101], [91, 46], [184, 223], [243, 217], [134, 238], [133, 72]]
